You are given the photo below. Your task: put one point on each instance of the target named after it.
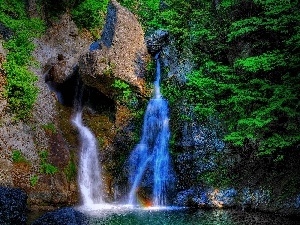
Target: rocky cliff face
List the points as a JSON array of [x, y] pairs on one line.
[[65, 60], [204, 164], [120, 55], [42, 131]]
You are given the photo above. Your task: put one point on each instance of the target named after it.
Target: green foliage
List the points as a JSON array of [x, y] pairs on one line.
[[125, 90], [90, 14], [17, 156], [33, 180], [265, 62], [50, 127], [216, 178], [101, 141], [71, 169], [147, 11], [46, 167], [20, 90], [109, 69], [256, 92]]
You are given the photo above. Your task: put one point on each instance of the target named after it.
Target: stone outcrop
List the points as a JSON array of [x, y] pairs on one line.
[[62, 216], [121, 53], [57, 51], [60, 48], [156, 41], [13, 208]]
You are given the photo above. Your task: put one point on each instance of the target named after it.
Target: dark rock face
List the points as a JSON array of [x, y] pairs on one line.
[[110, 25], [5, 32], [62, 217], [156, 41], [12, 206]]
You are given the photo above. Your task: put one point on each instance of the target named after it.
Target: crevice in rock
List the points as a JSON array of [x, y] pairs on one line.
[[109, 29], [93, 100]]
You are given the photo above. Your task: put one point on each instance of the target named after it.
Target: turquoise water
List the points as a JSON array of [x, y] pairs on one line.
[[189, 217]]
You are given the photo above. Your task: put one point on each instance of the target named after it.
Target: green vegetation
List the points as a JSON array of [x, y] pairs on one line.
[[126, 93], [248, 80], [20, 90], [90, 14], [33, 180], [246, 76], [45, 166], [87, 14], [71, 169], [50, 127], [17, 156]]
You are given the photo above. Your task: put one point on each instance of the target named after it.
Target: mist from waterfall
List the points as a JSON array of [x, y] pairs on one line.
[[151, 154], [89, 171]]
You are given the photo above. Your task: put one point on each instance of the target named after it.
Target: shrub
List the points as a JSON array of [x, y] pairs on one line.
[[33, 180], [45, 166], [17, 156], [20, 89], [90, 14]]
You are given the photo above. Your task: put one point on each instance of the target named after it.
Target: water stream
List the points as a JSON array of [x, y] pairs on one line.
[[151, 155], [89, 170], [89, 173]]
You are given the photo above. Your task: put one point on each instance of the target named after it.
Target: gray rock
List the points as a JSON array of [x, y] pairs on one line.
[[64, 216], [156, 41], [120, 54], [12, 206]]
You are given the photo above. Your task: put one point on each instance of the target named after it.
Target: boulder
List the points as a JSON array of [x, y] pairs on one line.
[[62, 216], [59, 69], [156, 41], [121, 53], [12, 206]]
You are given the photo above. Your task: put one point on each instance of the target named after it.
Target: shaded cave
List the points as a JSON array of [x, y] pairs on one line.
[[92, 99]]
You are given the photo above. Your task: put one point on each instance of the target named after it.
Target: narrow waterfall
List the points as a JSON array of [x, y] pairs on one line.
[[89, 172], [151, 154]]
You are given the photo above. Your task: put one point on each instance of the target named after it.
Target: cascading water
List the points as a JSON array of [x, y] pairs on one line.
[[151, 154], [89, 173]]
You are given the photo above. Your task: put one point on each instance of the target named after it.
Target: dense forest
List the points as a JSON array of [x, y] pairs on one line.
[[246, 62]]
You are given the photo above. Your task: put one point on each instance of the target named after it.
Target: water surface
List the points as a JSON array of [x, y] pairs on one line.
[[188, 217]]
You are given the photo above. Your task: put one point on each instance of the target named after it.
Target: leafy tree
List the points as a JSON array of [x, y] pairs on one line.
[[90, 14], [247, 63]]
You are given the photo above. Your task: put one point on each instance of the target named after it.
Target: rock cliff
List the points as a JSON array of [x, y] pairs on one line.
[[65, 59], [43, 130], [121, 53]]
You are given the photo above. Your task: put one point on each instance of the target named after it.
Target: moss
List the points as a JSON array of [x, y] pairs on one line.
[[71, 169], [18, 157], [50, 127], [102, 126], [69, 132]]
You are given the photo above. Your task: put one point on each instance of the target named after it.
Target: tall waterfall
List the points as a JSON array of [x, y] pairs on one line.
[[151, 154], [89, 173]]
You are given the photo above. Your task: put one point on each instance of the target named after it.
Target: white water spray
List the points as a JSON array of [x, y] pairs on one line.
[[89, 173], [151, 154]]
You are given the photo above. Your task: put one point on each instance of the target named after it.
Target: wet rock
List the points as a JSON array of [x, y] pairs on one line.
[[156, 41], [5, 32], [221, 198], [193, 197], [121, 53], [62, 217], [12, 206]]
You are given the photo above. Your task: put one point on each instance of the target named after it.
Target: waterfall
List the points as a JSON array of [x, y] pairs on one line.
[[151, 154], [89, 173]]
